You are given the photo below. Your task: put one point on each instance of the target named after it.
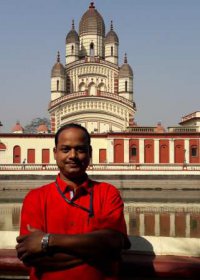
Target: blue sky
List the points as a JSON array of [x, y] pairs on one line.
[[160, 37]]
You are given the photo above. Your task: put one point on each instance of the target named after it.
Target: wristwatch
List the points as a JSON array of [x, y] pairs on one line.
[[45, 242]]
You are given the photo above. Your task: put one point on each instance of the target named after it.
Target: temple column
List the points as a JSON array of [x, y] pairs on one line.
[[126, 150], [110, 151], [156, 150], [171, 151], [141, 149]]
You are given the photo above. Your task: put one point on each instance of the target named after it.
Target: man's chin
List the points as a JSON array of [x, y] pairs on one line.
[[74, 173]]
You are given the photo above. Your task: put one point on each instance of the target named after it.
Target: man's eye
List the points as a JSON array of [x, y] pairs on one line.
[[82, 150], [65, 150]]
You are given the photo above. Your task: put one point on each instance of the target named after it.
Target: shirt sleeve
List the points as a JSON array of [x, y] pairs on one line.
[[31, 213], [112, 216]]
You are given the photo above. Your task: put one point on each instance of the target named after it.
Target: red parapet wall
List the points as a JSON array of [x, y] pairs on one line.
[[133, 265], [10, 265]]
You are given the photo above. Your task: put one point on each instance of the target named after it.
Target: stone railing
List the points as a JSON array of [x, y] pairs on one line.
[[103, 167], [27, 167], [182, 129], [67, 97], [190, 116], [116, 97], [85, 93]]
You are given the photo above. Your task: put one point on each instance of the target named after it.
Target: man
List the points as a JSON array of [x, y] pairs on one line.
[[74, 227]]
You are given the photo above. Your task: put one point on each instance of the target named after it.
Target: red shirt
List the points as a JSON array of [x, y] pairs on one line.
[[45, 209]]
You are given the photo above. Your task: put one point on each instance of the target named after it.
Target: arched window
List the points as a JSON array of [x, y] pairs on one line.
[[72, 49], [111, 49], [82, 86], [57, 86], [92, 89], [2, 146], [194, 151], [92, 49], [133, 151], [126, 86], [102, 87]]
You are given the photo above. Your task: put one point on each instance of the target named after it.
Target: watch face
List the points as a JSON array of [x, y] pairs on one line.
[[45, 242]]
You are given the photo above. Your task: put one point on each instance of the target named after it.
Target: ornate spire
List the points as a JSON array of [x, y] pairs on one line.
[[125, 58], [58, 56], [111, 25], [92, 5], [73, 24]]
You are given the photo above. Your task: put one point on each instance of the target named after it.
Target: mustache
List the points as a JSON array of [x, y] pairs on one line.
[[76, 161]]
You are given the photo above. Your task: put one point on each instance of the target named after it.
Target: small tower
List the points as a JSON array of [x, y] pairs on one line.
[[126, 80], [111, 46], [72, 45], [58, 80], [17, 128], [42, 129]]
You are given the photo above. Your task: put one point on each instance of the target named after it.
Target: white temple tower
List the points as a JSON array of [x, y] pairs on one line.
[[91, 89]]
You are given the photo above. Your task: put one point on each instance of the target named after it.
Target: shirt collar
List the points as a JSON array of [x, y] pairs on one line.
[[86, 185]]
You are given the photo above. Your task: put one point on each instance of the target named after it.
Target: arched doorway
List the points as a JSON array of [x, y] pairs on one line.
[[148, 155], [179, 154], [164, 154], [17, 154]]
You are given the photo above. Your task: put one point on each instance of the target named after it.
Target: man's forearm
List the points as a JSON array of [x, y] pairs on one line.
[[94, 246], [106, 243], [53, 262]]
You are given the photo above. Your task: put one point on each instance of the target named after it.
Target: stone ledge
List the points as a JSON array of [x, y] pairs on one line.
[[134, 265]]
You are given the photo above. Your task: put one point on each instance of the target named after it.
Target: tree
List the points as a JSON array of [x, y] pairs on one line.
[[32, 127]]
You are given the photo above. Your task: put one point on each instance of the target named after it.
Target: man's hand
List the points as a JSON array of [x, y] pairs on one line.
[[30, 244], [29, 251]]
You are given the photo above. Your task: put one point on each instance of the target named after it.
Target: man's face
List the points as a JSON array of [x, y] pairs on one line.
[[72, 153]]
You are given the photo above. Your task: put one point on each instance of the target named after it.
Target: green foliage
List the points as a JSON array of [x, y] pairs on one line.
[[33, 125]]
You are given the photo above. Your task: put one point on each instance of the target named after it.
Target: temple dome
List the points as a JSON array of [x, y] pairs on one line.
[[111, 36], [92, 22], [125, 70], [72, 36], [58, 69]]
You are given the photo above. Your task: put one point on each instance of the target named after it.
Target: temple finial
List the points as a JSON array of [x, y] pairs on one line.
[[92, 5], [73, 24], [125, 58], [58, 56], [111, 25]]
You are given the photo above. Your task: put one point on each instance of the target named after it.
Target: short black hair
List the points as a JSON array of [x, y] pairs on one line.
[[72, 125]]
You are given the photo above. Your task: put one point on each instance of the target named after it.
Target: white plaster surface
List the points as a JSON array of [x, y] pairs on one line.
[[148, 244]]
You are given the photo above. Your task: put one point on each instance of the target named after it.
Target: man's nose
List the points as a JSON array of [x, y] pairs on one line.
[[72, 153]]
